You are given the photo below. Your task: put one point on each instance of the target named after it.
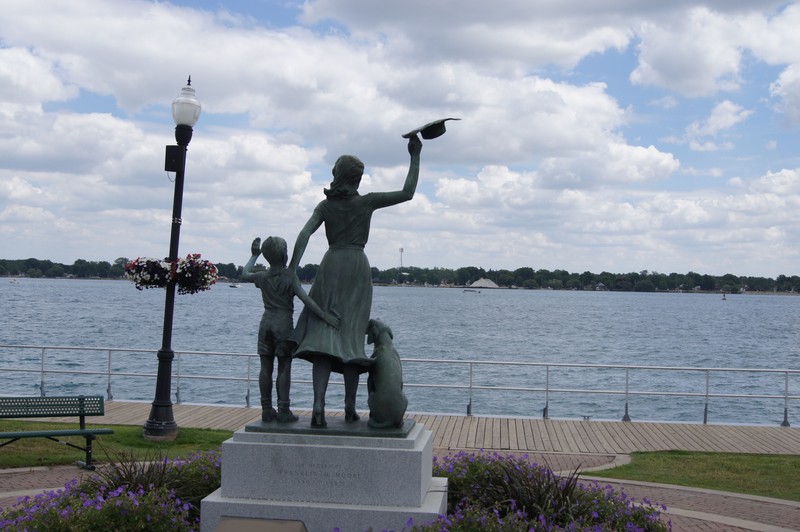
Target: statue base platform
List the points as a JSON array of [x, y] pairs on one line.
[[346, 476]]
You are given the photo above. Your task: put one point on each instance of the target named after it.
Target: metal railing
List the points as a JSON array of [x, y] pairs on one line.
[[250, 378]]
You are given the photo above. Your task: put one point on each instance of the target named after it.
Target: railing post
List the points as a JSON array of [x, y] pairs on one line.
[[41, 377], [247, 394], [626, 417], [469, 404], [178, 379], [786, 401], [546, 409], [108, 386], [705, 407]]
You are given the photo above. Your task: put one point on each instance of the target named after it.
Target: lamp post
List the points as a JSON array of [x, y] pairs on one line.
[[185, 111]]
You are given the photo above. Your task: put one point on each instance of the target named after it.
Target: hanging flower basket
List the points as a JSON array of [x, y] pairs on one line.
[[195, 274], [148, 273], [192, 274]]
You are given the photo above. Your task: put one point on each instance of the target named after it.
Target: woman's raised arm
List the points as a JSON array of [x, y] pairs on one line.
[[386, 199]]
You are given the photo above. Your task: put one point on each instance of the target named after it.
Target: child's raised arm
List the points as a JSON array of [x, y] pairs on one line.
[[247, 271]]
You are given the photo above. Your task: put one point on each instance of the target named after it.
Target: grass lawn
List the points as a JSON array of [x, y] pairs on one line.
[[754, 474], [127, 440]]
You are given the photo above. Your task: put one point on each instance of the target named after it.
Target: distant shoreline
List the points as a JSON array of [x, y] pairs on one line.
[[719, 293], [222, 281]]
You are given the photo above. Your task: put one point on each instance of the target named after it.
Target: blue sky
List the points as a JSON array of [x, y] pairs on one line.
[[622, 135]]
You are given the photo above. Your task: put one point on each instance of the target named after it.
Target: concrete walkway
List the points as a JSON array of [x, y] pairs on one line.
[[589, 445]]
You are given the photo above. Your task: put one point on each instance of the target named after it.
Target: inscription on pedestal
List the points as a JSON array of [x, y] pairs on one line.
[[318, 474]]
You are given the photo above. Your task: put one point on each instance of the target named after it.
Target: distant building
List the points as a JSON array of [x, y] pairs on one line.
[[484, 283]]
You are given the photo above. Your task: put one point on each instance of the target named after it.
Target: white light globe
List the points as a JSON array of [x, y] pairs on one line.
[[185, 108]]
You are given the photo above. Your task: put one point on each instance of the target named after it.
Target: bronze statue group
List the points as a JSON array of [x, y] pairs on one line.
[[335, 319]]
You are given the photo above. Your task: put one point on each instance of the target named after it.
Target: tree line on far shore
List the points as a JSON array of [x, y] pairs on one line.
[[526, 277], [85, 269]]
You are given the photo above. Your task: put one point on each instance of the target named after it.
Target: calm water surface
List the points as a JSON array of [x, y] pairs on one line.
[[691, 330]]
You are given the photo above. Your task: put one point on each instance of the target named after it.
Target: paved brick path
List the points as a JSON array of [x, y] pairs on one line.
[[698, 509]]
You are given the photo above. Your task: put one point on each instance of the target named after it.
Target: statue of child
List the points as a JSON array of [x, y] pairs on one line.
[[278, 287]]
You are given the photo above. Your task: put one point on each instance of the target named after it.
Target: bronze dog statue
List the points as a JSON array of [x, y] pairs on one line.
[[387, 402]]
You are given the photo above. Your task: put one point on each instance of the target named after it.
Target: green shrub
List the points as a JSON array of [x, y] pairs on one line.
[[191, 479], [73, 510], [128, 494], [507, 493]]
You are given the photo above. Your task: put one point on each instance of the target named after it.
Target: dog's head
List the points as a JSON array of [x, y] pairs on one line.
[[374, 330]]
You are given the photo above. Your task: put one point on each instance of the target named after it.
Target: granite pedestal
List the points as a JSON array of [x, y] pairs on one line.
[[345, 476]]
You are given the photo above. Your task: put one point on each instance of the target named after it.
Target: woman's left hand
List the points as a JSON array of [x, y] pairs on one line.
[[332, 319]]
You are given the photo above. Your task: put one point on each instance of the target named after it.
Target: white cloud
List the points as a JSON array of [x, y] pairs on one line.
[[709, 145], [667, 102], [18, 214], [28, 79], [695, 53], [787, 89], [724, 116], [784, 182], [772, 36], [532, 36], [704, 172], [19, 189], [701, 134]]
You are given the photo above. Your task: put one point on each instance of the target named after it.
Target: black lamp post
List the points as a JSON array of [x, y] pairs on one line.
[[185, 111]]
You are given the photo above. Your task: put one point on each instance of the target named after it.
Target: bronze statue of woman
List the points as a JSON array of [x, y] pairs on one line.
[[343, 286]]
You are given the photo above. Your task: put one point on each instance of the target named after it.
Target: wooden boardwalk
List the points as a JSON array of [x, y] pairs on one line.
[[529, 435]]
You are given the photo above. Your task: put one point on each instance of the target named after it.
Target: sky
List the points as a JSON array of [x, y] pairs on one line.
[[613, 135]]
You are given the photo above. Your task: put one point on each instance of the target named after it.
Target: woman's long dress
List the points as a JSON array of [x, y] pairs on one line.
[[343, 286]]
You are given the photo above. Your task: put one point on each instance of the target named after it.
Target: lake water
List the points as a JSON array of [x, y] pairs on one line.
[[543, 326]]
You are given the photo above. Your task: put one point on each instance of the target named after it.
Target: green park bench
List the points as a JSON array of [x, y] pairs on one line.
[[81, 406]]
